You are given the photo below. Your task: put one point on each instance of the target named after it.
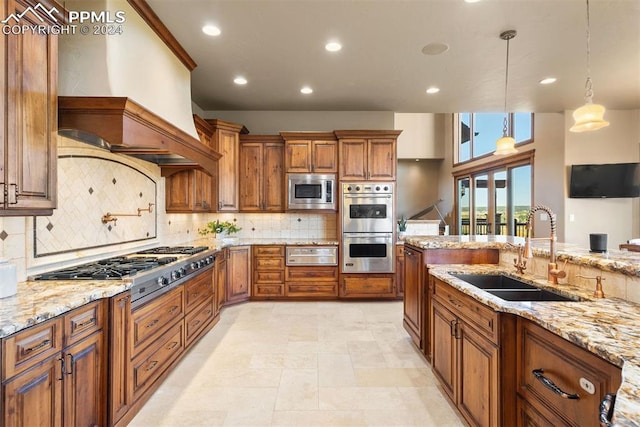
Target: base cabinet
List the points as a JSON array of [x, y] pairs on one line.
[[54, 373], [317, 281], [472, 346], [238, 274], [542, 357], [268, 271]]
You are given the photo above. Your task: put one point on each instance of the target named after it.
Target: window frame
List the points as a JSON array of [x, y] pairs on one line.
[[457, 143], [503, 163]]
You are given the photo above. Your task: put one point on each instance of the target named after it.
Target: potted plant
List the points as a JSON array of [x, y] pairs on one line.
[[402, 226], [219, 229]]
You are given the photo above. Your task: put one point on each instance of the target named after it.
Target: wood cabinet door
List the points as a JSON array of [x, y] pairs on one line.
[[412, 293], [400, 271], [84, 398], [251, 176], [120, 388], [477, 382], [381, 159], [34, 398], [31, 119], [228, 164], [221, 279], [239, 274], [203, 199], [353, 159], [179, 192], [274, 187], [324, 156], [298, 156], [444, 354]]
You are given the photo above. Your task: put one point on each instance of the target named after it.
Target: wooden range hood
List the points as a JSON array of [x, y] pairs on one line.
[[122, 126]]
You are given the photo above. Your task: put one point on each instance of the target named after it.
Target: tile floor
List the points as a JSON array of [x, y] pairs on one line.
[[302, 364]]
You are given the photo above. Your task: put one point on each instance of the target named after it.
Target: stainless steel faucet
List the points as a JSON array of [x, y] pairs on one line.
[[553, 271]]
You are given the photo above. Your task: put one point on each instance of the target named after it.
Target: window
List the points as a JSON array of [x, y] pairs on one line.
[[477, 132], [495, 198]]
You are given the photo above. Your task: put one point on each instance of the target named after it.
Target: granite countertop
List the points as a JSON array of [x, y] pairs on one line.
[[606, 327], [616, 261]]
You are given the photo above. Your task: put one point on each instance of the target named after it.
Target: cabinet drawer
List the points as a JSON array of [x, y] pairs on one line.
[[198, 290], [152, 318], [268, 290], [312, 290], [151, 363], [367, 286], [268, 263], [569, 367], [268, 251], [83, 321], [268, 276], [481, 317], [194, 322], [311, 274], [24, 349]]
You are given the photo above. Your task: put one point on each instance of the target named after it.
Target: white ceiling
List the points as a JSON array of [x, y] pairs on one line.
[[278, 45]]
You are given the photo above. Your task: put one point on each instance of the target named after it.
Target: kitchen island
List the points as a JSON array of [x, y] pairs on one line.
[[605, 327]]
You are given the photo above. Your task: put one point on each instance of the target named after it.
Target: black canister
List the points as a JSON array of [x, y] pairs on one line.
[[598, 242]]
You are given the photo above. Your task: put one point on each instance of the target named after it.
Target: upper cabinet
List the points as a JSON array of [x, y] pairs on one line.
[[29, 78], [192, 190], [422, 135], [367, 155], [261, 177], [310, 152], [226, 141]]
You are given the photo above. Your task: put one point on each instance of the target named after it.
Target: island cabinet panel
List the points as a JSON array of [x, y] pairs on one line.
[[472, 355], [54, 373], [414, 299], [400, 271], [543, 356]]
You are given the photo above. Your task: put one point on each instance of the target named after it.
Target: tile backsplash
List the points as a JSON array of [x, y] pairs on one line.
[[88, 188]]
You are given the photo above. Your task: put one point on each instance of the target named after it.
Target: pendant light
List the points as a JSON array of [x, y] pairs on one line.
[[506, 144], [590, 116]]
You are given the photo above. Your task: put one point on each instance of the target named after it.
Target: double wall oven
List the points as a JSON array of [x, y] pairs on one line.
[[367, 227]]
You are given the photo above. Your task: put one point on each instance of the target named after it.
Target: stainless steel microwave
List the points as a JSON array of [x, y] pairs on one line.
[[310, 191]]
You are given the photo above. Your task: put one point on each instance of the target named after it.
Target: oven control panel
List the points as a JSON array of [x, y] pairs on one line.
[[367, 188]]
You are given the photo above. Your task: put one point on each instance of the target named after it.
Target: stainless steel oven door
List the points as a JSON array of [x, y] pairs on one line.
[[367, 213], [367, 253]]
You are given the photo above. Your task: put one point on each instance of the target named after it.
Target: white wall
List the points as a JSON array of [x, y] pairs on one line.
[[617, 143], [417, 186], [273, 122]]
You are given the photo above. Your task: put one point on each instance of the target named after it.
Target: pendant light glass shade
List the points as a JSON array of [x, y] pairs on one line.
[[506, 144], [590, 116]]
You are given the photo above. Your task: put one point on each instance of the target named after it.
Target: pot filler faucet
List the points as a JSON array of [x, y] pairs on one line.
[[553, 271]]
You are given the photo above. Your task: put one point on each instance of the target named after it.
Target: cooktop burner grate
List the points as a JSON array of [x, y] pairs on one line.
[[183, 250]]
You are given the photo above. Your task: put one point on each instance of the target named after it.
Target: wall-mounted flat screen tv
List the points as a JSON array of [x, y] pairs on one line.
[[605, 180]]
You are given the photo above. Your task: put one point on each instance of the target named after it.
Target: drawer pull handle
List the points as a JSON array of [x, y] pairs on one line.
[[173, 309], [172, 345], [36, 347], [88, 322], [61, 369], [196, 323], [151, 366], [606, 410], [551, 385], [152, 324], [195, 294], [454, 303]]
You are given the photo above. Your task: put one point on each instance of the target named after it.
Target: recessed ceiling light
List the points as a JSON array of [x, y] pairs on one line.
[[435, 48], [306, 90], [240, 80], [471, 1], [333, 46], [548, 80], [433, 90], [211, 30]]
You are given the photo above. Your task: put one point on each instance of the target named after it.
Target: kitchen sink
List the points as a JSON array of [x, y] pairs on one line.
[[493, 281], [510, 289]]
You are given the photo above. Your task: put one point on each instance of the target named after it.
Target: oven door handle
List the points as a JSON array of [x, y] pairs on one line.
[[368, 198], [368, 235]]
